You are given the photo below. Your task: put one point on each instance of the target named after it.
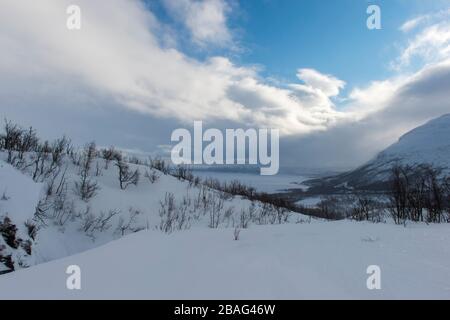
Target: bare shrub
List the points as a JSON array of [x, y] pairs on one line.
[[11, 139], [172, 218], [129, 225], [183, 172], [126, 177], [228, 216], [42, 212], [90, 223], [27, 246], [236, 233], [6, 260], [8, 231], [134, 160], [362, 208], [159, 164], [215, 212], [28, 142], [237, 188], [152, 176], [86, 188], [399, 194], [55, 185], [418, 194], [109, 155], [58, 149], [333, 208], [32, 229], [38, 160], [244, 219], [196, 181], [4, 196], [63, 210], [282, 215], [98, 170]]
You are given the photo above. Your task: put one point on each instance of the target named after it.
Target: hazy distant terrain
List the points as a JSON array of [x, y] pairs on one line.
[[270, 184], [428, 144]]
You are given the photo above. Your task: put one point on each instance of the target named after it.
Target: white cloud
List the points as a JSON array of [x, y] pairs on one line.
[[430, 44], [376, 116], [414, 23], [121, 57], [205, 19], [328, 84], [118, 54], [363, 102]]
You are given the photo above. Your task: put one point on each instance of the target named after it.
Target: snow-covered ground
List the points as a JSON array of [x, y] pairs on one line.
[[295, 257], [297, 261], [69, 227], [18, 198], [19, 194]]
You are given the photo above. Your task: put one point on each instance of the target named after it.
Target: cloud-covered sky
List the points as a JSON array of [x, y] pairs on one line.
[[139, 69]]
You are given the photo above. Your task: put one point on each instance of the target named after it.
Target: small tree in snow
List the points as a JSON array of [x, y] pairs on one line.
[[86, 188], [236, 233], [151, 176], [109, 155], [8, 231], [126, 177]]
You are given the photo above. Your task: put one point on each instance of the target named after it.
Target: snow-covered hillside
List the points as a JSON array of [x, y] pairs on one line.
[[173, 236], [294, 261], [19, 196], [428, 144], [66, 224]]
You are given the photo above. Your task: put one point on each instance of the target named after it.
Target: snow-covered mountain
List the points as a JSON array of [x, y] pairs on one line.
[[428, 144]]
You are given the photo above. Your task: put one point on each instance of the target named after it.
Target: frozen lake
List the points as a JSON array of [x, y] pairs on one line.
[[269, 184]]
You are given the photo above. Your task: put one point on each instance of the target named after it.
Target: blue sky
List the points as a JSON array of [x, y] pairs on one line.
[[331, 36]]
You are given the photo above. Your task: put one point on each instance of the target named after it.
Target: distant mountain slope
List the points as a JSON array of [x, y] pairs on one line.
[[427, 144]]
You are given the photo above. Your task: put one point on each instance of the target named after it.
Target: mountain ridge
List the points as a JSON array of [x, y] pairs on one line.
[[428, 144]]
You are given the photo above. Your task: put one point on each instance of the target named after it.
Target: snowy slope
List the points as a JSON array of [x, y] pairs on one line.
[[299, 259], [138, 207], [21, 192], [293, 261], [428, 144], [19, 196]]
